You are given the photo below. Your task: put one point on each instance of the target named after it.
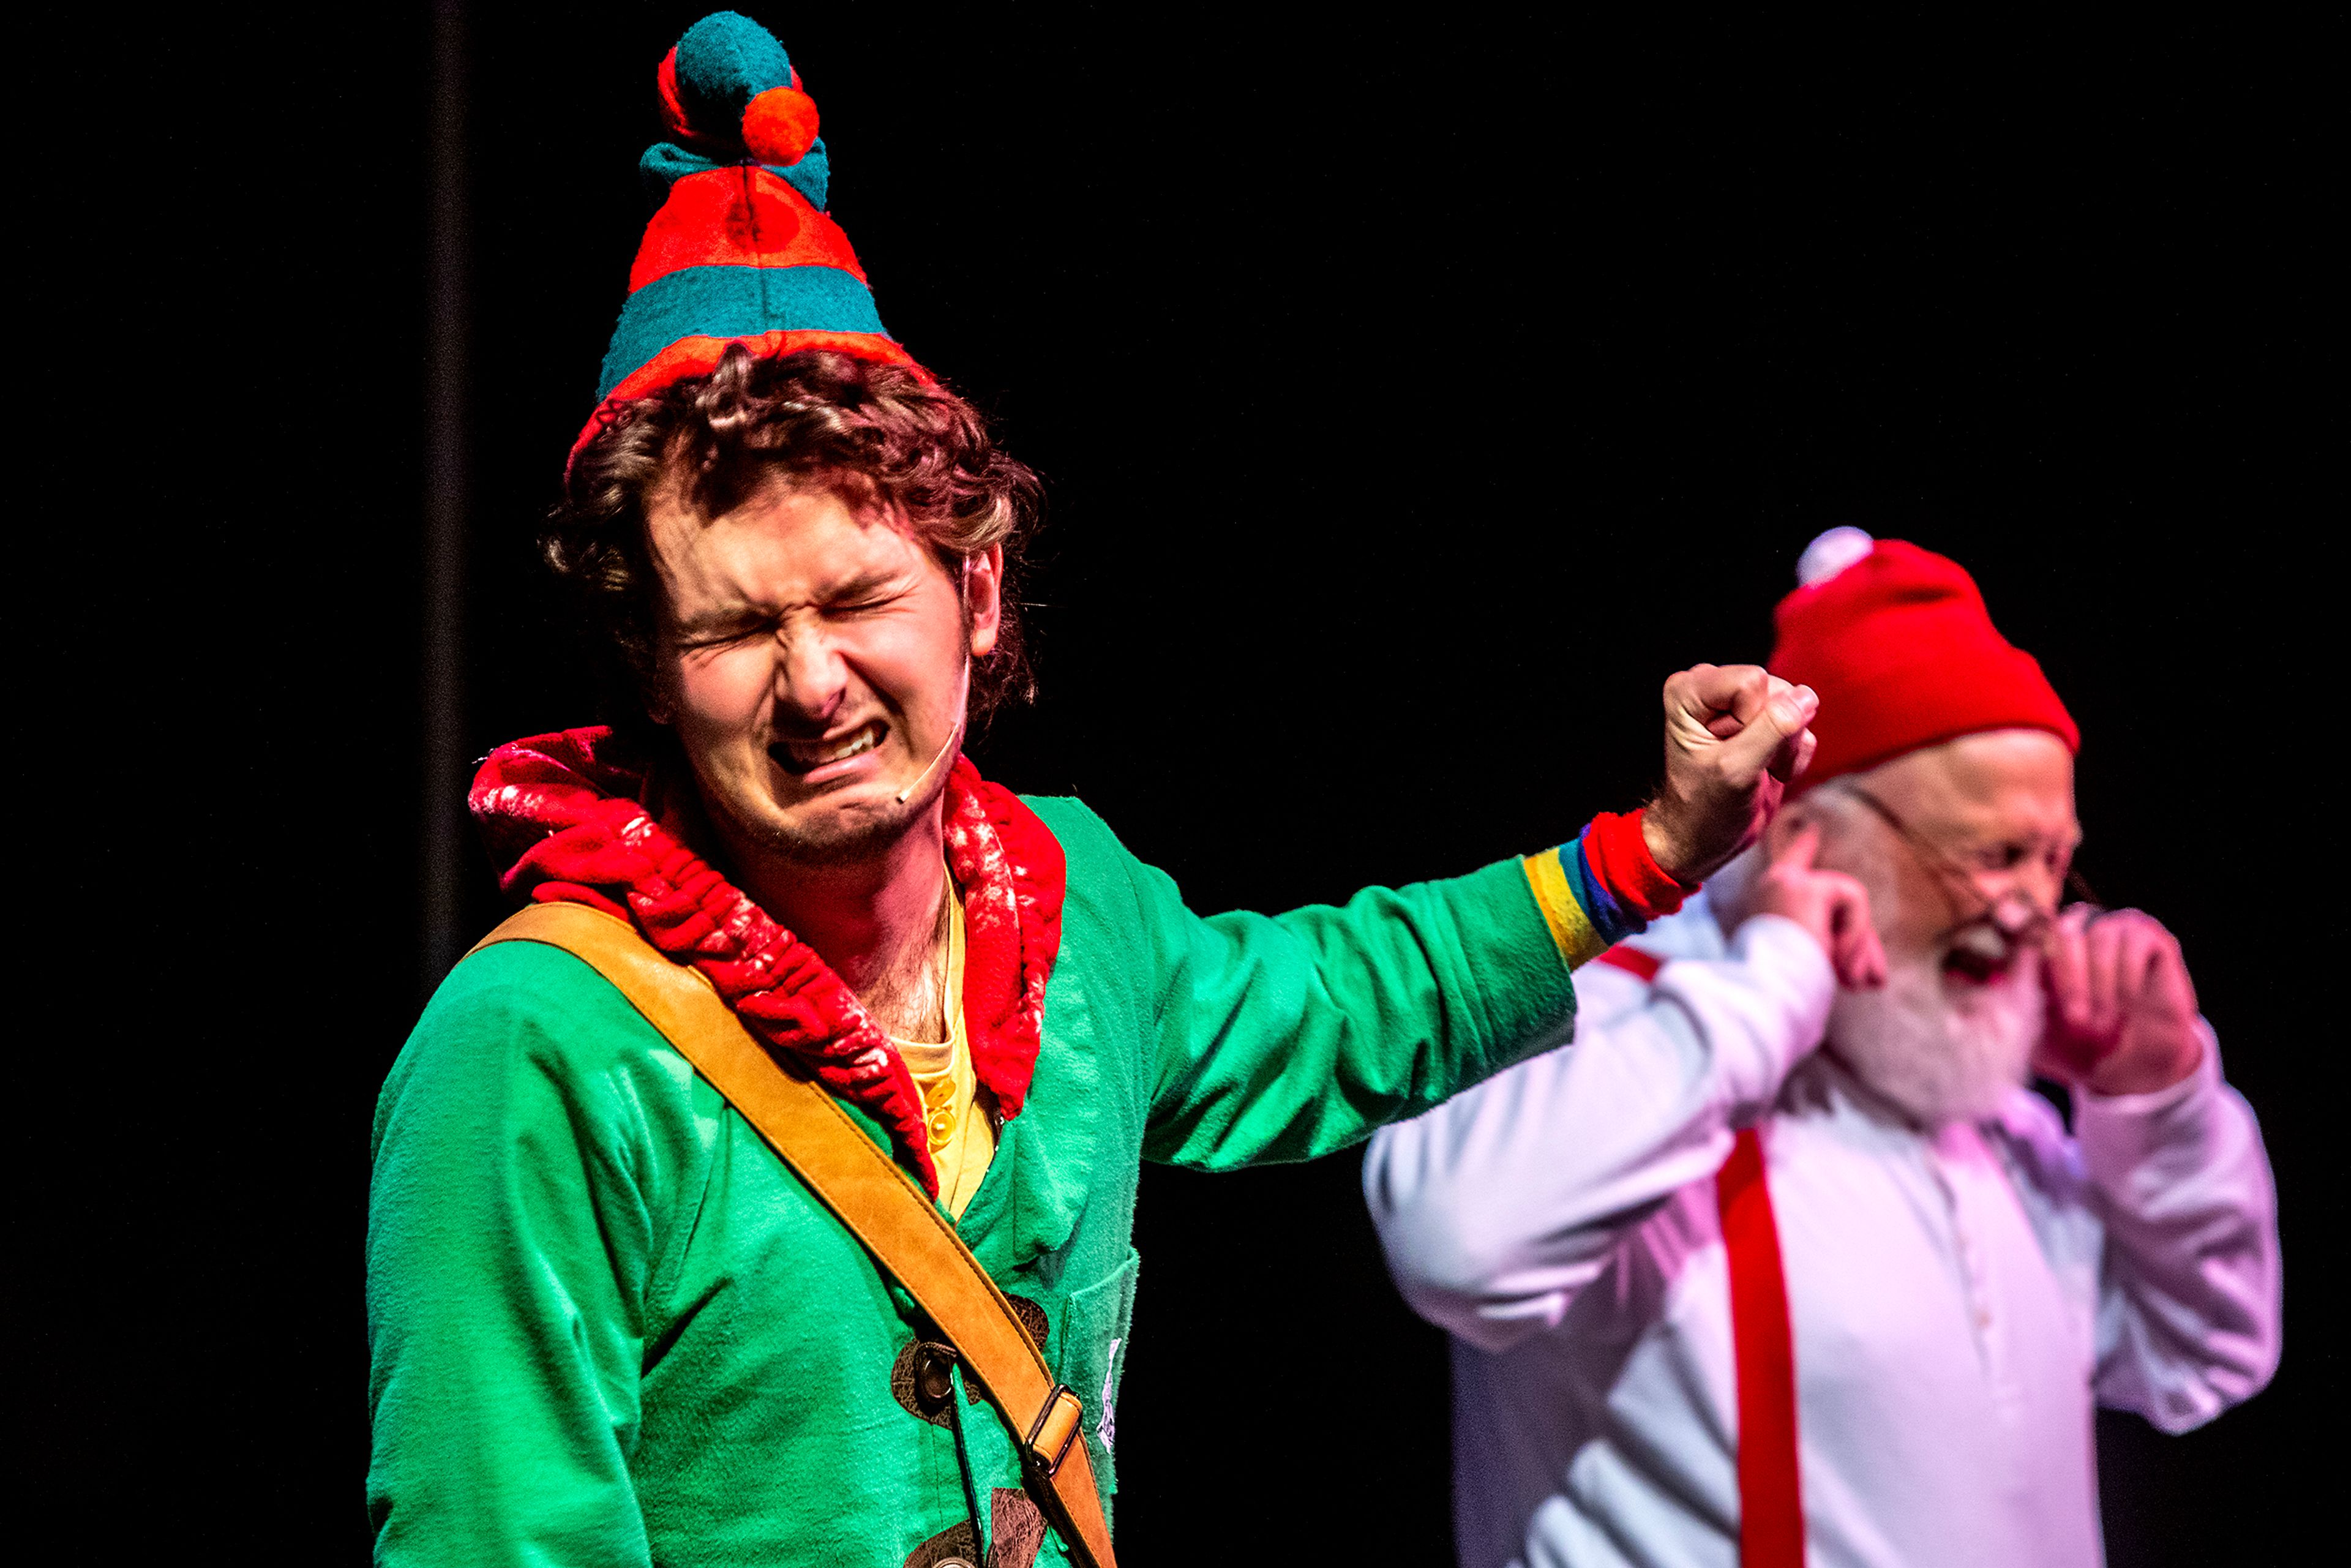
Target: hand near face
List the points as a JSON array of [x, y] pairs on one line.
[[1830, 905], [2121, 1010], [1735, 736]]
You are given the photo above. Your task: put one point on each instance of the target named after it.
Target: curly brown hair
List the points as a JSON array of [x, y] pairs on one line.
[[880, 436]]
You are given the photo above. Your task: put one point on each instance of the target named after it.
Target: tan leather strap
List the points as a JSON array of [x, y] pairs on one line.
[[879, 1203]]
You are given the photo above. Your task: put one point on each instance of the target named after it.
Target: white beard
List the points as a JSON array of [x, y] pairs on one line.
[[1941, 1052]]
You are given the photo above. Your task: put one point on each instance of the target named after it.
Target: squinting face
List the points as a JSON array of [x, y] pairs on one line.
[[1978, 863], [812, 661], [1965, 854]]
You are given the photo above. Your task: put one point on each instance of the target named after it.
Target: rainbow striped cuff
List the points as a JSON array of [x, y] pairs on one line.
[[1585, 918]]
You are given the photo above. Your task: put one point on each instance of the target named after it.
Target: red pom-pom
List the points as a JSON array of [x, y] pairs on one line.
[[779, 126]]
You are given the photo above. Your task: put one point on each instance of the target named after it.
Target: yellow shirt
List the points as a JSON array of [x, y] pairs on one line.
[[961, 1124]]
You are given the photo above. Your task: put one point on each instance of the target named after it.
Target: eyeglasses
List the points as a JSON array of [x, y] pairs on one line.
[[1964, 881]]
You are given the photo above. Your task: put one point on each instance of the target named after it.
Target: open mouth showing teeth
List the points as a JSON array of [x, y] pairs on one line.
[[803, 756], [1973, 967]]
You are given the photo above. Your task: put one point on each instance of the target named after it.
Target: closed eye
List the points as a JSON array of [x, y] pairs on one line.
[[726, 636], [848, 609], [2008, 857]]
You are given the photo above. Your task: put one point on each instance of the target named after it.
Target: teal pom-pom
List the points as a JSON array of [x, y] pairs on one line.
[[724, 62]]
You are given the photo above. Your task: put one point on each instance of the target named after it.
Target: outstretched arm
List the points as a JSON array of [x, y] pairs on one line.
[[1282, 1037]]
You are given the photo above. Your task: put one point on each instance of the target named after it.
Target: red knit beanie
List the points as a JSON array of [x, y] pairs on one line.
[[1898, 644]]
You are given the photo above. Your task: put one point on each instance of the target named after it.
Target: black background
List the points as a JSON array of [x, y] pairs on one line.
[[1412, 400]]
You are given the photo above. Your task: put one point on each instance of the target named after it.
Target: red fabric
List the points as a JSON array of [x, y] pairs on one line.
[[739, 217], [1771, 1491], [1620, 857], [779, 125], [1904, 654], [1642, 967], [673, 107], [568, 817]]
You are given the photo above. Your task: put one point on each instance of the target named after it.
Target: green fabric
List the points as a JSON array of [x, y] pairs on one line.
[[608, 1326]]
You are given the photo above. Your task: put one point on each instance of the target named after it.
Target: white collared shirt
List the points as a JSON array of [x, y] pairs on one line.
[[1958, 1298]]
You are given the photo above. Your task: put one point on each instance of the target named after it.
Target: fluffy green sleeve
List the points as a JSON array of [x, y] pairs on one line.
[[1285, 1037], [529, 1145]]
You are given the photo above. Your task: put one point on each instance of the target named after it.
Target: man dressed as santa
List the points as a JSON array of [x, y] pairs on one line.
[[1780, 1261]]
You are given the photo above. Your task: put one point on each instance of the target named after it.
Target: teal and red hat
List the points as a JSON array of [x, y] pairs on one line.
[[741, 250]]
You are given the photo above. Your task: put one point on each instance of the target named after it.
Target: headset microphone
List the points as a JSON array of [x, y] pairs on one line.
[[953, 736], [925, 773]]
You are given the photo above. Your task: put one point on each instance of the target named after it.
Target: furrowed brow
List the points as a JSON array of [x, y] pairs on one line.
[[867, 585], [723, 617]]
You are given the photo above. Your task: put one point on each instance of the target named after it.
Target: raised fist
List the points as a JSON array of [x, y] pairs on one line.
[[2121, 1010], [1830, 905], [1735, 736]]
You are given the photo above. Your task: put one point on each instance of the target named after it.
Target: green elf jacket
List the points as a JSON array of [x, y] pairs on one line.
[[608, 1326]]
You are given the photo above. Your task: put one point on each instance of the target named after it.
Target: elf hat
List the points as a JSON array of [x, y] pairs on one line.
[[741, 250], [1898, 644]]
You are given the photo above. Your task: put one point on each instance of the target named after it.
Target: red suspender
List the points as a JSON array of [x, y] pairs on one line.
[[1633, 961], [1770, 1500]]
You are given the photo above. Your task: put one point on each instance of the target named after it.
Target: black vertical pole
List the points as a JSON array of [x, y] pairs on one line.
[[441, 859]]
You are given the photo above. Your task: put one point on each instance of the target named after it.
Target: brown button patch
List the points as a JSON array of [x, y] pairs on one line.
[[1017, 1527], [1032, 1319], [957, 1546], [921, 1380]]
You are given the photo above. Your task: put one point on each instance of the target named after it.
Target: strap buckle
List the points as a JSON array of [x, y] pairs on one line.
[[1054, 1430]]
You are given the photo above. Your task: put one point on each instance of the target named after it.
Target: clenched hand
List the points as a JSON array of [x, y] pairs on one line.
[[1735, 738]]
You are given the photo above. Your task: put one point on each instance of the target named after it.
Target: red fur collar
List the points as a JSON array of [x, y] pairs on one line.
[[568, 817]]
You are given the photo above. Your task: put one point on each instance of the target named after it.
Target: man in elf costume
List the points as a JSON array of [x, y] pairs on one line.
[[1779, 1262], [607, 1324]]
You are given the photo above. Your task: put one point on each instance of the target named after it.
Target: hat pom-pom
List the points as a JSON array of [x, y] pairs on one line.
[[779, 126], [1831, 553], [728, 82]]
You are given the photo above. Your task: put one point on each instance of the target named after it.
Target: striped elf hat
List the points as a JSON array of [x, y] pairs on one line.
[[741, 250]]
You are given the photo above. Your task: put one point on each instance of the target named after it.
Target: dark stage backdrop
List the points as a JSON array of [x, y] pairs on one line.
[[1412, 402]]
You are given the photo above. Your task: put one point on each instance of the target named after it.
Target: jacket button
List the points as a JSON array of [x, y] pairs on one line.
[[921, 1380], [933, 1376]]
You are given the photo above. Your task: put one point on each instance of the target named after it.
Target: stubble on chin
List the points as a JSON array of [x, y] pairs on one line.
[[830, 840], [827, 838]]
